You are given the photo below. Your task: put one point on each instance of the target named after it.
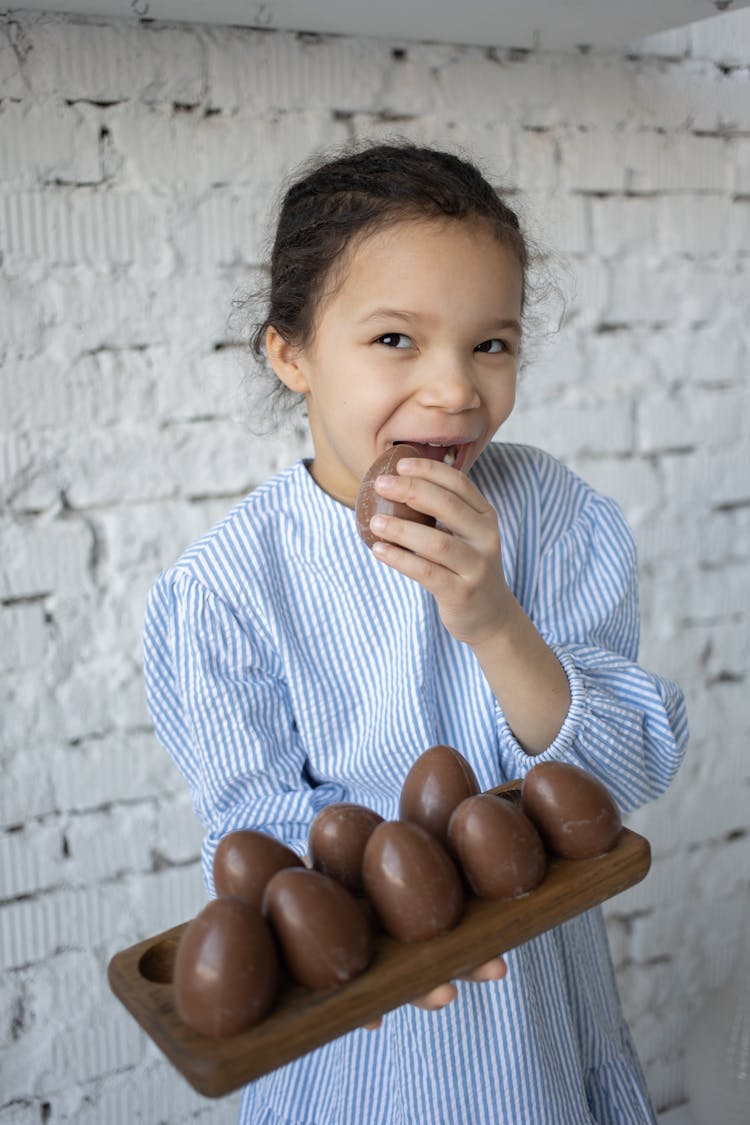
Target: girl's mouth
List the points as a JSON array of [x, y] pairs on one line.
[[435, 451]]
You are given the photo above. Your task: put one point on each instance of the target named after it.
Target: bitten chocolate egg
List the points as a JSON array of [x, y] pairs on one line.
[[497, 847], [245, 860], [337, 840], [370, 503], [226, 969], [575, 814], [437, 782], [324, 934], [411, 882]]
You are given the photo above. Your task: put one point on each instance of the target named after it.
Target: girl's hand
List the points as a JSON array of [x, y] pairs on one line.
[[460, 562], [445, 994]]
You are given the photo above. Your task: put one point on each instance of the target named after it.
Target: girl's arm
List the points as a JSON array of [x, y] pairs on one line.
[[562, 666], [220, 708]]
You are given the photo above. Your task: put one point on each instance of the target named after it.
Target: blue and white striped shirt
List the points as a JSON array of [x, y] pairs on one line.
[[286, 668]]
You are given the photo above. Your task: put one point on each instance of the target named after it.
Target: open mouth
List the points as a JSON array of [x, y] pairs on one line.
[[448, 454]]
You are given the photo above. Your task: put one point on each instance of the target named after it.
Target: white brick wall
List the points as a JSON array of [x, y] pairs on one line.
[[137, 166]]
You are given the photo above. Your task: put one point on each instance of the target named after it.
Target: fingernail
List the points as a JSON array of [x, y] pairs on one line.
[[385, 481], [377, 523]]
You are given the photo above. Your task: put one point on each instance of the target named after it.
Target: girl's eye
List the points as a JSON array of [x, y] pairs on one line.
[[394, 340], [491, 346]]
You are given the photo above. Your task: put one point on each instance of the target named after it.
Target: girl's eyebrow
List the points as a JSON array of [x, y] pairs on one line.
[[500, 325]]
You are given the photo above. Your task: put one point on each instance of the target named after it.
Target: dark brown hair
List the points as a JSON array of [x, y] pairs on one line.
[[347, 197]]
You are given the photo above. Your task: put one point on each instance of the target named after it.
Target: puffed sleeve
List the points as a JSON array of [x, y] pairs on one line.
[[624, 724], [220, 707]]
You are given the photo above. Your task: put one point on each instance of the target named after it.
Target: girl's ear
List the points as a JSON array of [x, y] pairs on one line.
[[286, 360]]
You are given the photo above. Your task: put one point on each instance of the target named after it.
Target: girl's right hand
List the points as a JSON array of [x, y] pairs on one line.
[[445, 994]]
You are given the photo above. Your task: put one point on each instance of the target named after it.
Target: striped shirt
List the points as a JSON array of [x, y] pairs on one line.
[[286, 668]]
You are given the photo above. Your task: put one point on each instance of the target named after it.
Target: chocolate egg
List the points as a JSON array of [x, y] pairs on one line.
[[575, 814], [246, 859], [437, 782], [226, 969], [324, 934], [338, 836], [411, 882], [370, 503], [497, 847]]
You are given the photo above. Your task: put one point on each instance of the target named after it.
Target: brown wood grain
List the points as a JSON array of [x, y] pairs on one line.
[[303, 1019]]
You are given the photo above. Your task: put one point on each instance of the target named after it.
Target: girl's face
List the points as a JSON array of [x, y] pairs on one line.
[[418, 342]]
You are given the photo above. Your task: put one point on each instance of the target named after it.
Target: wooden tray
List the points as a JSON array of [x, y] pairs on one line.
[[304, 1019]]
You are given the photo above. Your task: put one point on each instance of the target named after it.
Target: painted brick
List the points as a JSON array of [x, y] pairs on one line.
[[104, 844], [571, 432], [40, 557], [172, 895], [30, 859], [726, 42], [634, 484], [158, 1095], [247, 71], [179, 834], [598, 160], [686, 418], [11, 83], [738, 228], [119, 766], [47, 142], [70, 227], [33, 929], [408, 85], [121, 464], [741, 182], [720, 476], [26, 791], [102, 61], [559, 223], [475, 86], [24, 634], [624, 226]]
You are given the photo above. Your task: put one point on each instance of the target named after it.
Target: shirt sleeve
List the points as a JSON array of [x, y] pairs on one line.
[[220, 707], [624, 724]]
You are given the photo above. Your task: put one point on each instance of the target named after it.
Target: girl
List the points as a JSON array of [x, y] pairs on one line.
[[288, 666]]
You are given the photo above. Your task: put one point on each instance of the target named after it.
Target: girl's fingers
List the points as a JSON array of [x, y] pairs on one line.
[[490, 970], [443, 477], [445, 994], [449, 497], [437, 998], [419, 547]]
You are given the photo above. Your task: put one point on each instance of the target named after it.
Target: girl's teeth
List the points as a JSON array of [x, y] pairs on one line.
[[450, 457]]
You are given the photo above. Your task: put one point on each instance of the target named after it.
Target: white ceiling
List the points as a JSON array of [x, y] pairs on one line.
[[552, 24]]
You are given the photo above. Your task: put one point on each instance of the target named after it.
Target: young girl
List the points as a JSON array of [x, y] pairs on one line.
[[289, 666]]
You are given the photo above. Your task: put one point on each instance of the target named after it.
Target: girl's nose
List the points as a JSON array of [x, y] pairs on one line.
[[450, 386]]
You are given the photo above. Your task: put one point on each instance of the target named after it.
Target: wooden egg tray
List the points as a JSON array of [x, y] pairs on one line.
[[303, 1019]]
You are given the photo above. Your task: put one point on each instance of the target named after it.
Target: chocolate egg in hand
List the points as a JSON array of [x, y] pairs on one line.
[[324, 934], [497, 847], [575, 814], [245, 860], [411, 882], [226, 969], [370, 503], [437, 782], [338, 836]]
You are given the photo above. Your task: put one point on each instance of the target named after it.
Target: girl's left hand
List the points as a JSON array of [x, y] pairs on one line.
[[459, 562], [445, 994]]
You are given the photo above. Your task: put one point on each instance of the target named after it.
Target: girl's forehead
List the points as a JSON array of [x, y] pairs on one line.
[[417, 251], [404, 248]]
